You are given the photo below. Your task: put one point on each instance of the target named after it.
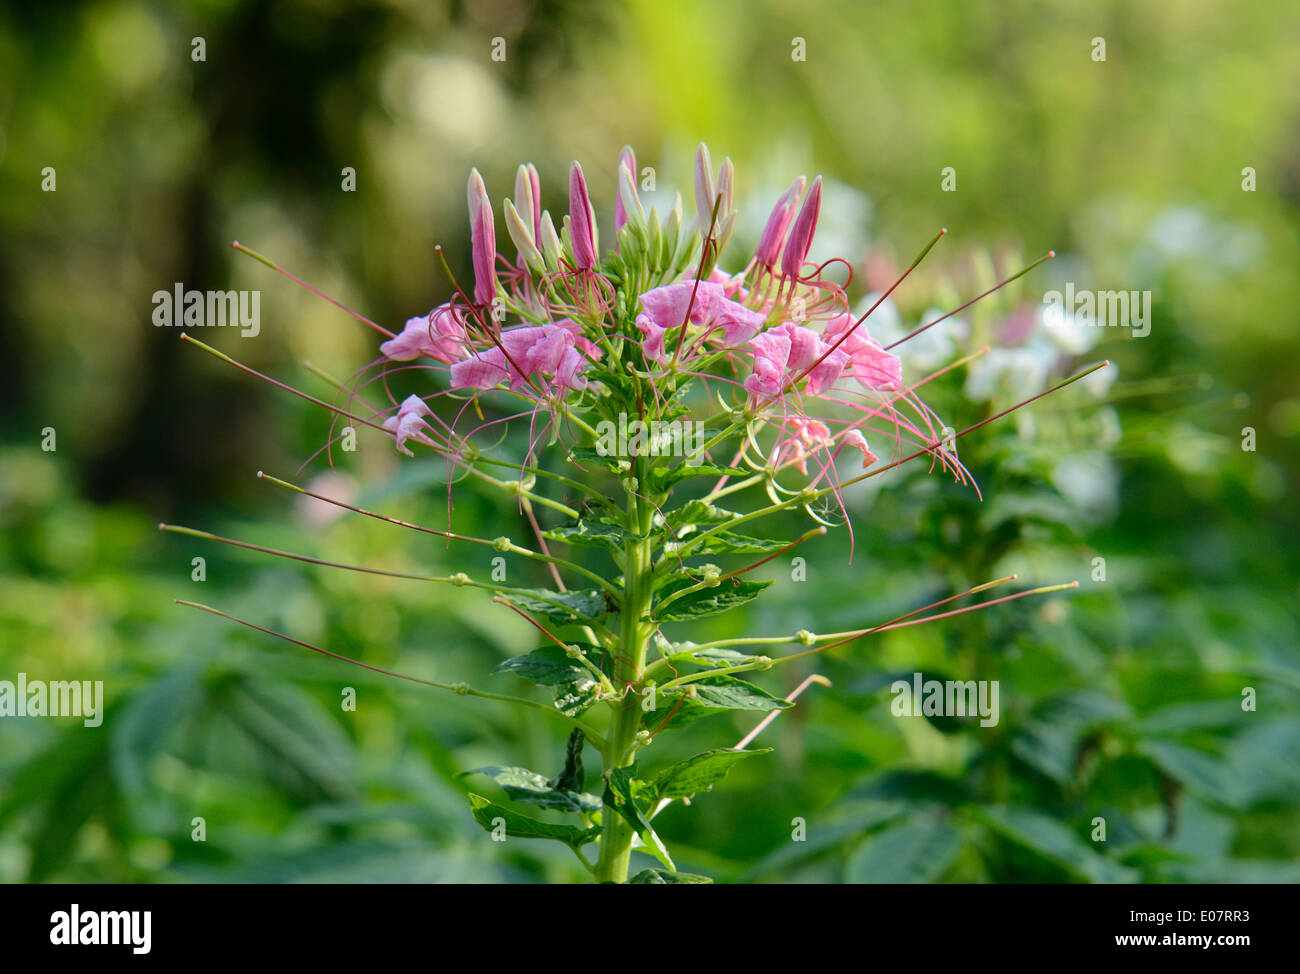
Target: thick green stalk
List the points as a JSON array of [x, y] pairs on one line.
[[629, 670]]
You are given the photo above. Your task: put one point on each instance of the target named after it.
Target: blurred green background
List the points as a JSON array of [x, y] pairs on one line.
[[1122, 701]]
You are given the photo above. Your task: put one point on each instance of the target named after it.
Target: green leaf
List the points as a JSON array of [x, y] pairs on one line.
[[529, 786], [148, 721], [660, 877], [915, 851], [729, 543], [1198, 771], [573, 699], [62, 787], [550, 665], [697, 512], [575, 687], [1180, 718], [588, 455], [1224, 872], [574, 776], [685, 653], [291, 739], [1053, 841], [589, 534], [846, 826], [619, 785], [712, 695], [520, 826], [587, 605], [699, 773], [731, 594], [664, 479], [729, 693]]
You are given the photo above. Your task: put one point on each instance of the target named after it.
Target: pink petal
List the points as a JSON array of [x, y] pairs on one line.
[[484, 370]]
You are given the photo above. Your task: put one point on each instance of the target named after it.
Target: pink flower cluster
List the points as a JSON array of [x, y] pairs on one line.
[[781, 324]]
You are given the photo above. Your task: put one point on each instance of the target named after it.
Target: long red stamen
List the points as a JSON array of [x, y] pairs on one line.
[[843, 338], [979, 297], [301, 283]]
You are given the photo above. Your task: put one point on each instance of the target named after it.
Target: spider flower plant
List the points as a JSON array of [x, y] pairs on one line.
[[675, 396]]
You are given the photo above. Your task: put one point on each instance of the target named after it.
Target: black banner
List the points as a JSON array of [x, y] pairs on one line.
[[923, 923]]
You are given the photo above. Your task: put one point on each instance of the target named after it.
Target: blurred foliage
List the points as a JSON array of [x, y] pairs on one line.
[[1122, 700]]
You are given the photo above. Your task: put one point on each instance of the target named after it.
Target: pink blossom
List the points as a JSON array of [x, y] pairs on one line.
[[870, 364], [439, 335], [732, 286], [782, 354], [409, 424], [664, 308], [482, 370], [526, 353]]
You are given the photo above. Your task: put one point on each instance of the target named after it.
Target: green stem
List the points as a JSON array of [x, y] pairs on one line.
[[629, 671]]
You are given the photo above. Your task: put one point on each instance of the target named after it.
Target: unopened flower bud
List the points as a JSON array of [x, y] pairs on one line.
[[801, 234], [530, 207], [778, 224], [549, 242], [704, 194], [582, 220], [726, 185], [483, 240], [627, 201], [522, 238]]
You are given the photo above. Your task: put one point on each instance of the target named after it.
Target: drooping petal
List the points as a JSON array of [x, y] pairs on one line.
[[855, 440], [739, 324], [483, 370], [653, 343], [409, 424], [439, 335], [870, 364]]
